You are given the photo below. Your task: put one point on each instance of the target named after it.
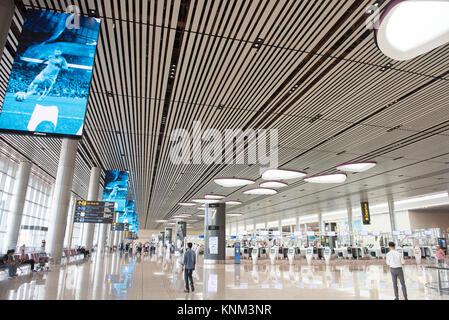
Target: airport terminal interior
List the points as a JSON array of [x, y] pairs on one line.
[[279, 147]]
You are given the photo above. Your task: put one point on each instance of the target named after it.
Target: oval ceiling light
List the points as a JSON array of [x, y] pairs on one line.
[[205, 200], [260, 191], [356, 166], [214, 196], [233, 202], [327, 178], [233, 182], [161, 221], [187, 204], [273, 184], [409, 28], [282, 174]]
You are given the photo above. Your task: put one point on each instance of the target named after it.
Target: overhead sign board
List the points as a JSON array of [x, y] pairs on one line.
[[94, 212], [366, 218]]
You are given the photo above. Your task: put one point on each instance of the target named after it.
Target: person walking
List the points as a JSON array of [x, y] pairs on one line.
[[440, 255], [395, 260], [188, 264]]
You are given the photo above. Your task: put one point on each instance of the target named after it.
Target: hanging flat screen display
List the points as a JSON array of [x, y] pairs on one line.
[[48, 88], [116, 188]]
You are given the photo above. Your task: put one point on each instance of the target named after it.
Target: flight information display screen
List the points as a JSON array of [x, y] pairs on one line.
[[116, 188], [48, 88]]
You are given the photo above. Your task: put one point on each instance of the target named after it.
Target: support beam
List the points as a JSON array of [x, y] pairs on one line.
[[92, 195], [215, 233], [61, 198], [17, 204]]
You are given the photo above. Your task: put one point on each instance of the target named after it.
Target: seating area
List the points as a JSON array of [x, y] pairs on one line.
[[42, 261]]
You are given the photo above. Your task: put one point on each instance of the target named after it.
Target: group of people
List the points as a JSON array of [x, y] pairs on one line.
[[9, 262], [131, 247], [83, 251]]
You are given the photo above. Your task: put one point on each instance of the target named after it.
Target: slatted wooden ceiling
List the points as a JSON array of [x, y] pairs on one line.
[[322, 47]]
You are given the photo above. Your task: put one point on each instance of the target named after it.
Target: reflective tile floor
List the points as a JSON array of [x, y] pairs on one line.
[[124, 277]]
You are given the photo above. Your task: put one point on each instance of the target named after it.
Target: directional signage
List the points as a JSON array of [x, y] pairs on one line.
[[366, 218], [120, 227], [130, 235], [94, 212]]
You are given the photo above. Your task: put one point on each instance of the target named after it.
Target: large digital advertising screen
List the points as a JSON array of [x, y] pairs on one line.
[[130, 216], [48, 88], [127, 215], [115, 188]]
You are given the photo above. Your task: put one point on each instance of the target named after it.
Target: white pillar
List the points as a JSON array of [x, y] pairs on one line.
[[320, 222], [92, 195], [17, 204], [61, 198], [391, 214], [350, 224]]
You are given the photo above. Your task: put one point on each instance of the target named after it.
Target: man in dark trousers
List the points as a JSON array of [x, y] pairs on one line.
[[188, 264], [395, 260]]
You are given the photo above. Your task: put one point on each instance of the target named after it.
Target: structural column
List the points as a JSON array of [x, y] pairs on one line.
[[18, 202], [320, 222], [168, 235], [215, 233], [391, 214], [92, 195], [350, 224], [180, 234], [61, 197]]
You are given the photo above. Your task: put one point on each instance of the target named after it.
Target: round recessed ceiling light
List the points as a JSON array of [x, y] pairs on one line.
[[200, 215], [187, 204], [233, 182], [407, 29], [282, 174], [327, 178], [273, 184], [233, 202], [214, 196], [205, 200], [260, 191], [356, 166]]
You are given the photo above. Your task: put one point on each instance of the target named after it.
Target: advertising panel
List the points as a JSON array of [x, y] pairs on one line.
[[48, 89], [115, 188]]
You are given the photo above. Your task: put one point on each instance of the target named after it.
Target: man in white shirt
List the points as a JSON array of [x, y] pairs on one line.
[[395, 260]]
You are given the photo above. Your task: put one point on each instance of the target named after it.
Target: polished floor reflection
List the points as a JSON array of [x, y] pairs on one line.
[[125, 277]]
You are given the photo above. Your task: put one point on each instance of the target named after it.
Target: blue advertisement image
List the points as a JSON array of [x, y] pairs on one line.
[[116, 188], [127, 215], [48, 88], [130, 216]]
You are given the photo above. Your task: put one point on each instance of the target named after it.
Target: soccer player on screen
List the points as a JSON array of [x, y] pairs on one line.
[[47, 78]]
